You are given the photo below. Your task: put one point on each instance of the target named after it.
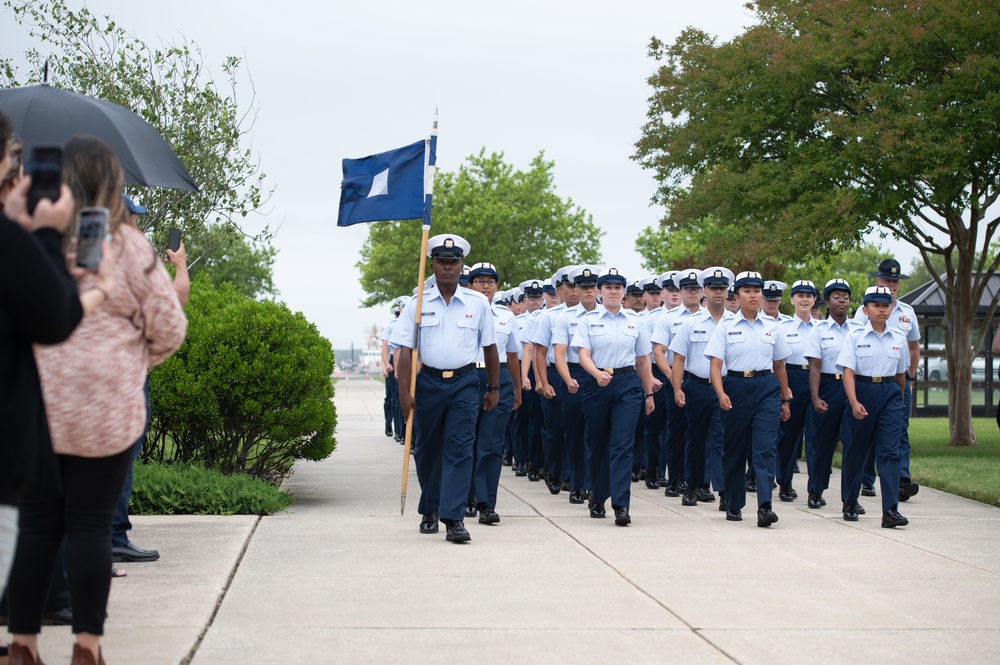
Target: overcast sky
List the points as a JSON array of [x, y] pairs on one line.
[[347, 79]]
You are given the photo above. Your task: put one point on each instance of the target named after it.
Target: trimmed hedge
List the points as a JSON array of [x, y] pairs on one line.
[[189, 489]]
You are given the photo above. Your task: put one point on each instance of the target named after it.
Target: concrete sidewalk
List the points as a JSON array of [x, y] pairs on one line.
[[341, 577]]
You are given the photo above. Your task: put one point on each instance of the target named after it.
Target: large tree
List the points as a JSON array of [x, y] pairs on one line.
[[172, 89], [829, 117], [511, 218]]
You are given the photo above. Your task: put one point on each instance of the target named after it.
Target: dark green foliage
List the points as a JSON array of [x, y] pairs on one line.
[[189, 489], [249, 391]]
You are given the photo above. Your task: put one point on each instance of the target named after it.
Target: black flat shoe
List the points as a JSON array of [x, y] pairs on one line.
[[533, 476], [621, 516], [704, 495], [597, 510], [850, 513], [867, 490], [786, 494], [751, 486], [652, 484], [891, 519], [635, 476], [671, 489], [430, 523], [470, 509], [858, 508], [130, 553], [520, 471], [576, 496], [457, 533], [487, 515], [722, 501], [766, 516], [734, 515], [689, 499], [814, 502]]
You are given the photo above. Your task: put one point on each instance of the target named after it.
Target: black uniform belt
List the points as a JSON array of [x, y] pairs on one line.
[[750, 373], [696, 378], [619, 370], [801, 368], [483, 365], [573, 365], [448, 373], [874, 379], [827, 375]]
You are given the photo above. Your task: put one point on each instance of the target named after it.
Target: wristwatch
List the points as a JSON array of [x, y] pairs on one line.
[[649, 394], [492, 389]]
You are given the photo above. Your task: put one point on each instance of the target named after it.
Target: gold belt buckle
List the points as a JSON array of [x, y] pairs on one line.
[[609, 370], [447, 374], [838, 376], [748, 374], [876, 379]]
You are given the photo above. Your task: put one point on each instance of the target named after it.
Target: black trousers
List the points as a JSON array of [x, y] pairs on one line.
[[83, 512]]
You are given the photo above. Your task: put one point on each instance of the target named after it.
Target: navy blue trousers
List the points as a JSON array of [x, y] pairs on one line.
[[639, 454], [536, 423], [573, 418], [447, 429], [654, 431], [750, 427], [391, 395], [877, 434], [831, 426], [904, 443], [703, 437], [554, 431], [490, 439], [676, 435], [791, 430], [612, 411], [120, 524]]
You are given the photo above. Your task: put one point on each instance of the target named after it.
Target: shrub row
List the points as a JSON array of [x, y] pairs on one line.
[[190, 489]]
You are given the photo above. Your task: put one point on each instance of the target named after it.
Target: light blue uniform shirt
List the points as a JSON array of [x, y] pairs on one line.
[[871, 354], [902, 318], [692, 338], [825, 341], [541, 334], [451, 335], [523, 321], [668, 325], [796, 332], [614, 340], [387, 335], [743, 345], [565, 328], [505, 334]]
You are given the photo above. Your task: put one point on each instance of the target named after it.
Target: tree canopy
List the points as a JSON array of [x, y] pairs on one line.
[[830, 117], [171, 88], [511, 218]]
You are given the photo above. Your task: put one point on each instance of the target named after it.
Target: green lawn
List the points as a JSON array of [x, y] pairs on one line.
[[970, 472]]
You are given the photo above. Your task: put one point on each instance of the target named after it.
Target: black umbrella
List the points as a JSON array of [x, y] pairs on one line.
[[43, 115]]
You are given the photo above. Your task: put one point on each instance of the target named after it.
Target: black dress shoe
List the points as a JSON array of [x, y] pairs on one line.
[[734, 515], [456, 532], [652, 484], [891, 519], [814, 502], [470, 508], [533, 476], [858, 508], [867, 490], [621, 516], [671, 489], [597, 510], [554, 485], [766, 516], [487, 515], [63, 617], [722, 501], [795, 494], [576, 496], [822, 501], [752, 486], [681, 486], [635, 476], [795, 468], [908, 488], [505, 459], [520, 471], [388, 431], [663, 482], [567, 486], [689, 499], [132, 553], [850, 513], [704, 495], [786, 494], [642, 474], [430, 522]]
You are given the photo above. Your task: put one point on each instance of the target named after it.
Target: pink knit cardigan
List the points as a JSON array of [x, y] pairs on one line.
[[93, 382]]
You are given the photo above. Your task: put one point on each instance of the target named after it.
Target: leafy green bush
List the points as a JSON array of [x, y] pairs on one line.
[[189, 489], [249, 391]]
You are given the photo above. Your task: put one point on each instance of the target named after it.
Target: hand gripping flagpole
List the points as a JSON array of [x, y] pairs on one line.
[[428, 194]]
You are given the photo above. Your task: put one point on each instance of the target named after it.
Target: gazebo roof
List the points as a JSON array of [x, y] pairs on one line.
[[928, 299]]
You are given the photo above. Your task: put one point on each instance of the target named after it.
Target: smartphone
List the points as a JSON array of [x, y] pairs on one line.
[[46, 175], [92, 226], [174, 240]]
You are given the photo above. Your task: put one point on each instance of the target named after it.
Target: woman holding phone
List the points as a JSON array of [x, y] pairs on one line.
[[92, 386]]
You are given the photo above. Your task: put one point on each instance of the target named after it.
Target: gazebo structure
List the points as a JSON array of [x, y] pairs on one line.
[[931, 398]]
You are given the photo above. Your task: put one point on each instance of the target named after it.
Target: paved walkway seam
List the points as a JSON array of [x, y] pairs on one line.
[[222, 595]]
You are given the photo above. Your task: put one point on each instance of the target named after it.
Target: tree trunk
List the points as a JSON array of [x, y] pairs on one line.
[[959, 320]]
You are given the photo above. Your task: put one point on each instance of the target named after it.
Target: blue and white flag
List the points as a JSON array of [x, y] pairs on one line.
[[386, 186]]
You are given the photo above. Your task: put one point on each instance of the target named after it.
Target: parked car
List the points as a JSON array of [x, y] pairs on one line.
[[936, 367]]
